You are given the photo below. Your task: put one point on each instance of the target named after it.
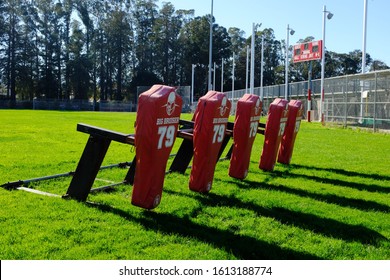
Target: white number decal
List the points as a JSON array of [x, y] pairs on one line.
[[281, 129], [219, 133], [253, 129], [166, 133]]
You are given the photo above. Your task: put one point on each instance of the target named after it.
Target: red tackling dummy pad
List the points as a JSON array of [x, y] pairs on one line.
[[274, 130], [295, 112], [156, 126], [210, 121], [244, 132]]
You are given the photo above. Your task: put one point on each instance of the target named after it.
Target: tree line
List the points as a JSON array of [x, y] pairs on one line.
[[104, 49]]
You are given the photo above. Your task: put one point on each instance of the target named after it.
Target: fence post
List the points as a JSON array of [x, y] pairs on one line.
[[346, 101], [375, 93]]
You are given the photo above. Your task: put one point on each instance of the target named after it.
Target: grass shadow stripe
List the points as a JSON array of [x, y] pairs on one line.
[[242, 247], [319, 225], [334, 182], [354, 203], [342, 172]]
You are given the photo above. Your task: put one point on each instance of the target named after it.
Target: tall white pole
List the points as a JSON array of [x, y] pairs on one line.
[[222, 76], [321, 111], [262, 68], [252, 76], [211, 46], [215, 66], [233, 78], [363, 58], [329, 15], [289, 31], [247, 69], [192, 84], [286, 67], [364, 37]]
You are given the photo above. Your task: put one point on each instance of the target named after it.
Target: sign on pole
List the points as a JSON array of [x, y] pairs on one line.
[[308, 51]]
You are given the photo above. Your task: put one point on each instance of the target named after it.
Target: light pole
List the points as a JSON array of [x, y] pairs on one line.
[[364, 37], [192, 84], [247, 69], [211, 46], [262, 68], [329, 15], [215, 71], [233, 78], [222, 75], [252, 79], [363, 58], [289, 32]]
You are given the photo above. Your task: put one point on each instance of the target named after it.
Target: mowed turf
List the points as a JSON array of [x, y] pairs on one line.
[[332, 202]]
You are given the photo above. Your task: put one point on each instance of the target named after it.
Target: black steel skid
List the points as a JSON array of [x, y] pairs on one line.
[[94, 152], [96, 148], [20, 183]]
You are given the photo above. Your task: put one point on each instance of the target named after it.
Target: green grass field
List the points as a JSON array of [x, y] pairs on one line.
[[332, 202]]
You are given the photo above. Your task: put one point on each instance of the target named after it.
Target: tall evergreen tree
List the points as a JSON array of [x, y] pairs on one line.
[[144, 17], [60, 48], [11, 36], [165, 37]]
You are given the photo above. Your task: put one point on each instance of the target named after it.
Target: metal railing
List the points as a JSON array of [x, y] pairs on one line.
[[354, 100]]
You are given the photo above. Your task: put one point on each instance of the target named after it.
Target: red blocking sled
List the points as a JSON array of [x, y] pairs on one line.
[[210, 122], [275, 126], [295, 112], [245, 128], [155, 133]]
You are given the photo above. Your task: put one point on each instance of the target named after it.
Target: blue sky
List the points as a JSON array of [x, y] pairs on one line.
[[344, 32]]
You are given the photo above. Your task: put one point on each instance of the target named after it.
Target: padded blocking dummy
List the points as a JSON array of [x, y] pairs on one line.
[[210, 121], [274, 130], [244, 132], [295, 112], [155, 132]]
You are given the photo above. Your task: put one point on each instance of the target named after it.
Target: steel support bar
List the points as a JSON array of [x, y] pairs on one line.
[[19, 183], [107, 134], [16, 184], [129, 179], [183, 157], [88, 167]]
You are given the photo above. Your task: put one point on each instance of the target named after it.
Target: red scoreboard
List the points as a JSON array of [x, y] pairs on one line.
[[308, 51]]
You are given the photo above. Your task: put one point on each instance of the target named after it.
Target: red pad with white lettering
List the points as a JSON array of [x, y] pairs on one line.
[[244, 132], [274, 130], [210, 121], [155, 132], [295, 112]]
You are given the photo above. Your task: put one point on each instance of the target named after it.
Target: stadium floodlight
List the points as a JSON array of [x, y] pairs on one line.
[[262, 68], [326, 15], [252, 79], [289, 32], [363, 57]]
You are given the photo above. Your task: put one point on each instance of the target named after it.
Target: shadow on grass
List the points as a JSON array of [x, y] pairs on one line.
[[242, 247], [343, 172], [316, 224], [335, 182], [354, 203]]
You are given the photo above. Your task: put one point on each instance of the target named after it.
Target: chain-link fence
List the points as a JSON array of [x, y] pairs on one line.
[[89, 105], [355, 100], [359, 100], [62, 105]]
